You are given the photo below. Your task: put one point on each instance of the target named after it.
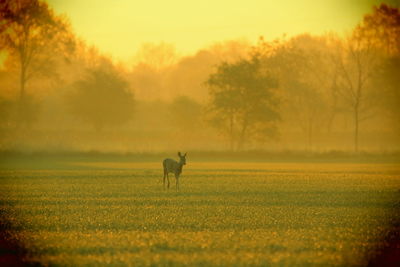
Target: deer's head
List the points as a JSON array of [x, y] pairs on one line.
[[182, 158]]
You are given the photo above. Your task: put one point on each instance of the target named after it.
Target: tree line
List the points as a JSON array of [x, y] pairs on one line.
[[245, 95]]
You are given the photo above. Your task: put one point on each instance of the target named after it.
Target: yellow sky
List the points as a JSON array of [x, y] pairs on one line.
[[119, 27]]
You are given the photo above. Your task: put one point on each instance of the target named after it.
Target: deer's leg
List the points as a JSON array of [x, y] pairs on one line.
[[164, 179], [167, 181]]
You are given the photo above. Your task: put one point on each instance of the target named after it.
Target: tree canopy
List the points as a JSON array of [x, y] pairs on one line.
[[102, 98], [243, 102]]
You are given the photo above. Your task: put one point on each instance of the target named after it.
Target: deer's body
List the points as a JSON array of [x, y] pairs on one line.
[[175, 167]]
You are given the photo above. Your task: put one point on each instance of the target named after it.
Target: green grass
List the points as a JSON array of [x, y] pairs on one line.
[[226, 214]]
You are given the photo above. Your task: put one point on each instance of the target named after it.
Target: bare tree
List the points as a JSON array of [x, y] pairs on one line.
[[306, 80], [28, 29], [355, 63]]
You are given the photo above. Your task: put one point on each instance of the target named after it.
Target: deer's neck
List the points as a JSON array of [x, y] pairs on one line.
[[180, 166]]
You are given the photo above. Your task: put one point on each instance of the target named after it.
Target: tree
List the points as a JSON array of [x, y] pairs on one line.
[[157, 56], [185, 113], [360, 60], [147, 82], [184, 117], [306, 81], [230, 50], [356, 62], [382, 28], [101, 99], [243, 103], [28, 29], [389, 82]]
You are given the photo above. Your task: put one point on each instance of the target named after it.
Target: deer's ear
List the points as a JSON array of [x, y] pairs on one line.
[[179, 154], [185, 154]]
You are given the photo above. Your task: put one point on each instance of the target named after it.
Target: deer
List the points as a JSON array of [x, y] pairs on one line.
[[172, 166]]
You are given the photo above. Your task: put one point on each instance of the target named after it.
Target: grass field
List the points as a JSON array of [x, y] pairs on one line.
[[226, 214]]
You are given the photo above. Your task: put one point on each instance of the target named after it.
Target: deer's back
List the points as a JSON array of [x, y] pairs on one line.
[[170, 165]]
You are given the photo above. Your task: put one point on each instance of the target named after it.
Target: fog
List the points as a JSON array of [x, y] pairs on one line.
[[308, 92]]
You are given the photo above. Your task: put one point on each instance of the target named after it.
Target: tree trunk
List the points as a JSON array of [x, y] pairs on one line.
[[22, 84], [231, 131], [356, 125], [243, 134], [20, 119]]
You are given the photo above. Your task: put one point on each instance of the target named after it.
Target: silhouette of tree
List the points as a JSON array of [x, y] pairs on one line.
[[185, 113], [243, 103], [30, 32], [356, 62], [101, 99], [382, 28], [388, 81], [306, 81], [360, 59], [157, 56]]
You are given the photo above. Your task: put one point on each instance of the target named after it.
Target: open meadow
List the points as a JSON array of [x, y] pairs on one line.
[[226, 213]]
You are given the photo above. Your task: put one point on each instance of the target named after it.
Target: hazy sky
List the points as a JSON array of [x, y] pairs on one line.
[[119, 27]]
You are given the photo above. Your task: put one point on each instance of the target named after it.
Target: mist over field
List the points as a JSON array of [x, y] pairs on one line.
[[142, 133]]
